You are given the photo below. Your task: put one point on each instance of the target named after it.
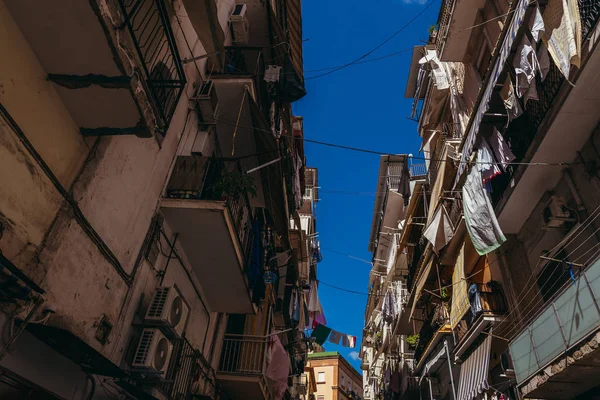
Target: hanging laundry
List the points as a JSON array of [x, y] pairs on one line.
[[511, 103], [563, 27], [536, 24], [296, 181], [438, 69], [321, 333], [349, 341], [501, 150], [320, 315], [486, 163], [293, 303], [440, 231], [278, 368], [335, 337], [543, 61], [396, 381], [480, 219], [404, 184], [297, 305], [388, 309], [272, 73], [314, 305], [525, 64]]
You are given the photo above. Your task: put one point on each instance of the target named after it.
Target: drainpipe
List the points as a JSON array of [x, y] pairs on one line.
[[450, 368]]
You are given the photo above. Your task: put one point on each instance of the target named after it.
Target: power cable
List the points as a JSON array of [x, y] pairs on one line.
[[362, 62], [432, 2], [380, 153]]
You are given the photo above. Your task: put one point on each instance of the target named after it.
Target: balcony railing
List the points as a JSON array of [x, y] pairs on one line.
[[522, 131], [562, 324], [149, 25], [243, 355], [418, 171], [443, 22], [190, 374], [198, 178]]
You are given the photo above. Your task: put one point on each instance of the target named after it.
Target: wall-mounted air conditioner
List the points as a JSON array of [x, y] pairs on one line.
[[556, 212], [206, 103], [153, 353], [198, 141], [169, 309], [240, 28]]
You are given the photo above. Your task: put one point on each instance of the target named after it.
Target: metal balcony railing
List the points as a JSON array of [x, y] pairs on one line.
[[243, 355], [190, 374], [522, 131], [418, 171], [150, 28], [443, 23], [563, 323], [198, 178]]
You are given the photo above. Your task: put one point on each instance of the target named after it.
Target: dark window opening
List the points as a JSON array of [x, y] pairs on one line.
[[553, 276]]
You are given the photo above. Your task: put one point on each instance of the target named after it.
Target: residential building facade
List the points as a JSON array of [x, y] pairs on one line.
[[333, 376], [499, 233], [150, 167]]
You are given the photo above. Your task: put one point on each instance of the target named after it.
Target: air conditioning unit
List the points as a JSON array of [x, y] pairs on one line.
[[508, 370], [240, 29], [198, 142], [153, 353], [556, 213], [169, 310], [206, 102]]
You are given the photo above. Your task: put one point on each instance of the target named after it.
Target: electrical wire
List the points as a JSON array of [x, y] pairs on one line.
[[380, 153], [362, 62], [406, 25]]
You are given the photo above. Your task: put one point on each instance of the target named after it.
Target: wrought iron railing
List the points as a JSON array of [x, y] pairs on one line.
[[198, 178], [189, 374], [243, 355], [521, 132], [418, 171], [150, 28], [442, 28]]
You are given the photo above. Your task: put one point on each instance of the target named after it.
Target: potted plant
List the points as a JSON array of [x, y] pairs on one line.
[[412, 341], [234, 184]]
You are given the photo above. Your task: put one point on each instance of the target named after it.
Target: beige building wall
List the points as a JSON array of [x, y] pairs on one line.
[[117, 182], [334, 376]]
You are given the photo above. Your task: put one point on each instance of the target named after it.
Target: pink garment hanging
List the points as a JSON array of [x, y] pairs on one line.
[[278, 368]]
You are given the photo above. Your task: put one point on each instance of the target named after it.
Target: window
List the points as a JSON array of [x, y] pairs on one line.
[[321, 377], [343, 387], [553, 276], [320, 397]]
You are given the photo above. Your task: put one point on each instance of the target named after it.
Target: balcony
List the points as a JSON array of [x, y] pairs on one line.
[[418, 171], [242, 367], [454, 32], [120, 75], [556, 341], [488, 306], [207, 205], [538, 134], [432, 332]]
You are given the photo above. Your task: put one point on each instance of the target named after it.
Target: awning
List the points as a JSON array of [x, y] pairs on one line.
[[420, 286], [474, 372], [75, 349], [460, 299], [504, 51], [430, 366], [272, 176], [204, 17]]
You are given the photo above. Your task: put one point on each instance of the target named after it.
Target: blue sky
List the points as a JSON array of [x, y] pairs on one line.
[[360, 106]]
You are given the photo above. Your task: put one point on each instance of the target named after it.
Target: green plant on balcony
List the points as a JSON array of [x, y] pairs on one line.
[[412, 341], [234, 184]]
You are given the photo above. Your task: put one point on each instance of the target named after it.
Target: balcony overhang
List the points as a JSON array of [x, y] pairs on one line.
[[208, 237], [203, 15], [462, 19], [241, 386], [107, 77], [435, 340], [575, 113], [483, 322]]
